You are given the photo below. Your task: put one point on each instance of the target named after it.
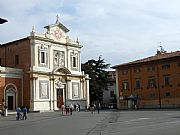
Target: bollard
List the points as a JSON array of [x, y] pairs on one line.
[[6, 112]]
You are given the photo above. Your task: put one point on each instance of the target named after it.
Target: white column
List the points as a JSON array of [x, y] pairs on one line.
[[81, 89], [87, 90], [54, 96], [51, 94], [69, 92], [33, 93]]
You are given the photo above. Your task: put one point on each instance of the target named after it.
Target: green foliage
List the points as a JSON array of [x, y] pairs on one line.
[[98, 75]]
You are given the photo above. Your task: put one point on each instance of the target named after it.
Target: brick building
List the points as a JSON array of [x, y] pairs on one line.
[[50, 65], [11, 80], [152, 82]]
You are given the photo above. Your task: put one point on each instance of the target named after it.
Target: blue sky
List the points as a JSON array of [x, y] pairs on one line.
[[118, 30]]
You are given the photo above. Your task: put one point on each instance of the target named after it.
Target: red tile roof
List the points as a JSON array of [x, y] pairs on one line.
[[159, 56]]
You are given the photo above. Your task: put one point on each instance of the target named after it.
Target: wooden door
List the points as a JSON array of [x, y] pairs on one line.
[[59, 97]]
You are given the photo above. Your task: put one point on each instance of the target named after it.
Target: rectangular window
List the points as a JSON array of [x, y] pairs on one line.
[[151, 82], [152, 95], [124, 72], [111, 93], [150, 68], [125, 85], [166, 80], [138, 84], [74, 61], [137, 70], [166, 66], [43, 57], [16, 59], [167, 94]]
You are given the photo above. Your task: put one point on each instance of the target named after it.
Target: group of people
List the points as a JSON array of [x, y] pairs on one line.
[[76, 107], [21, 113], [69, 109], [92, 107]]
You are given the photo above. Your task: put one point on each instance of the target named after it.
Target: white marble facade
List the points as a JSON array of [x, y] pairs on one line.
[[56, 76]]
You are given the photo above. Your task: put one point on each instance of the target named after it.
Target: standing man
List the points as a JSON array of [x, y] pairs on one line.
[[99, 107], [18, 111], [24, 110]]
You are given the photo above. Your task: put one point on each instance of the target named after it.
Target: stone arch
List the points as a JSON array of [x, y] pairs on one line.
[[61, 70], [60, 84], [10, 96]]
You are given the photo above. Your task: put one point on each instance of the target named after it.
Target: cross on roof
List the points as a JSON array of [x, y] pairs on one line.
[[57, 19]]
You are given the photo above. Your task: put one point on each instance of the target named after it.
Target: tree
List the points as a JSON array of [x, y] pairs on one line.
[[98, 75]]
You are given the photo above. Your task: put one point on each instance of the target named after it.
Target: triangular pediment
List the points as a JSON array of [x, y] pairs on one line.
[[57, 25], [56, 31]]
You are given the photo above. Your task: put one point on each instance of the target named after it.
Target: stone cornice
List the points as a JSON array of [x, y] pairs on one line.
[[71, 44]]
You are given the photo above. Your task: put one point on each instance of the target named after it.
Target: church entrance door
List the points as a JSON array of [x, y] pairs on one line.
[[59, 97]]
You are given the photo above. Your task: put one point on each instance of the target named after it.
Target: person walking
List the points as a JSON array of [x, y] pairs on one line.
[[74, 107], [18, 115], [24, 110], [91, 108], [99, 107], [62, 109]]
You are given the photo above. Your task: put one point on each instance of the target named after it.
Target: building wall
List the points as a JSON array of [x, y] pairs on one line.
[[57, 71], [44, 72], [20, 48], [159, 96], [11, 83], [109, 93]]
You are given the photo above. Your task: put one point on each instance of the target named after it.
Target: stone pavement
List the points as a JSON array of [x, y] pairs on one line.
[[80, 123], [150, 122]]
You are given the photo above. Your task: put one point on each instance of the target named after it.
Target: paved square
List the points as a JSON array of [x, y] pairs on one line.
[[84, 123]]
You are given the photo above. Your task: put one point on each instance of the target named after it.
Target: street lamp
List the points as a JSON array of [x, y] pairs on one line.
[[2, 20]]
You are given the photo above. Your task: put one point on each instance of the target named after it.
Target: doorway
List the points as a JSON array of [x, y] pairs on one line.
[[11, 99], [59, 97], [10, 102]]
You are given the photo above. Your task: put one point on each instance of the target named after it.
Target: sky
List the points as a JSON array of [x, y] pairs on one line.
[[119, 31]]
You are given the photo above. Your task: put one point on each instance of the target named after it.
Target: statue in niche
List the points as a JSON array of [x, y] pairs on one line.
[[59, 59]]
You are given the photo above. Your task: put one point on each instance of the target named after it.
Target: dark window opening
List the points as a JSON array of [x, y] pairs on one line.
[[138, 84], [111, 93], [167, 94], [42, 57], [151, 82], [16, 59], [74, 61], [137, 70], [125, 85], [166, 66], [150, 68], [166, 80]]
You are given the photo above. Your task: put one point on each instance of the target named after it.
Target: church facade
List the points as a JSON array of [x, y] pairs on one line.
[[51, 70]]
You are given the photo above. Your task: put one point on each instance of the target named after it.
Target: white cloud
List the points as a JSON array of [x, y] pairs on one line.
[[119, 30]]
